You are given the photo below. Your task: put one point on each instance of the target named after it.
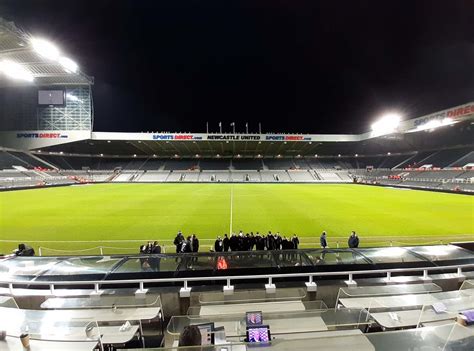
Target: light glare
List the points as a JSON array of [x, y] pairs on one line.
[[15, 71], [68, 64], [387, 124], [45, 48]]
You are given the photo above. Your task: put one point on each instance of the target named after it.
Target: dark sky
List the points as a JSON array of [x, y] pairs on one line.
[[296, 66]]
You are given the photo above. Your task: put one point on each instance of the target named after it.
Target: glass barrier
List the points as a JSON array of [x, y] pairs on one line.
[[84, 265], [23, 268], [16, 322], [402, 301], [281, 324], [442, 252], [249, 296], [7, 301], [361, 296], [446, 337], [148, 263], [467, 287], [391, 255], [444, 310], [103, 301], [335, 257], [267, 307]]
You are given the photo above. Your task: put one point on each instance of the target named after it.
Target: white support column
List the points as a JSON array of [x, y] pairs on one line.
[[141, 292], [97, 292], [228, 289], [350, 282], [185, 291], [425, 275], [460, 275], [51, 289], [270, 287], [311, 285]]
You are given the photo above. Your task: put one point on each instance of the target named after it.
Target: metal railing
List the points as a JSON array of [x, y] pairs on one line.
[[228, 279]]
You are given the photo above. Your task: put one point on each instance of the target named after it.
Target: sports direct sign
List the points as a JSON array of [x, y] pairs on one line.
[[231, 137], [41, 136], [176, 137], [453, 114]]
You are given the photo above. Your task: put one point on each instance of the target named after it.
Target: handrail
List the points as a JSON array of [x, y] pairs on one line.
[[227, 279]]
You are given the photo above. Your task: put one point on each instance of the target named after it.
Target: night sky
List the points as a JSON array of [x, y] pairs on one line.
[[295, 66]]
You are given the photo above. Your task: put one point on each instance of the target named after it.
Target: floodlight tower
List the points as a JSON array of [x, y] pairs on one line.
[[387, 124]]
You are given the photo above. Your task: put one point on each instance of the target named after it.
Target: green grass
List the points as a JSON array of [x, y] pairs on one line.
[[156, 211]]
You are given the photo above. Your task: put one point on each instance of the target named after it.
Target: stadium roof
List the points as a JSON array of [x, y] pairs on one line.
[[179, 145], [27, 60]]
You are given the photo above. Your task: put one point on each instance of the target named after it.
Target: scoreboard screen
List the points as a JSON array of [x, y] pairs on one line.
[[51, 97]]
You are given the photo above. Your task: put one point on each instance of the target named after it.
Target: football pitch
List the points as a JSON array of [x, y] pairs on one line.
[[119, 217]]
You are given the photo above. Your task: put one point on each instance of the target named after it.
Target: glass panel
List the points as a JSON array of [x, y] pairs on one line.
[[332, 257], [388, 290], [291, 258], [390, 255], [257, 259], [442, 252], [447, 337], [250, 296], [84, 265], [156, 263], [103, 301], [27, 266]]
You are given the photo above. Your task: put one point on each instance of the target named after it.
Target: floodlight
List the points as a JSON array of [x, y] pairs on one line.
[[387, 124], [45, 48], [68, 64], [15, 71]]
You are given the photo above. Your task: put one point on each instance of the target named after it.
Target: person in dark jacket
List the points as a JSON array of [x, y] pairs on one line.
[[295, 241], [25, 250], [218, 245], [226, 243], [178, 241], [234, 242], [186, 246], [353, 241], [155, 260], [195, 243], [323, 241]]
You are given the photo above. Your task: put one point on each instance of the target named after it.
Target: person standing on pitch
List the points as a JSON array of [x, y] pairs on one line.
[[353, 241], [324, 244], [226, 243], [323, 241], [295, 242], [218, 245]]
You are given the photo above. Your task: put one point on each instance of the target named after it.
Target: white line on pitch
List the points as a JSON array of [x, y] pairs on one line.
[[231, 208]]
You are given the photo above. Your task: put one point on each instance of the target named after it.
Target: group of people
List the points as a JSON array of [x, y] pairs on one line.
[[24, 250], [352, 242], [188, 245], [150, 263], [249, 242]]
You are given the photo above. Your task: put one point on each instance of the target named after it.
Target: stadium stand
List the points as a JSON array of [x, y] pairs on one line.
[[216, 164], [244, 164]]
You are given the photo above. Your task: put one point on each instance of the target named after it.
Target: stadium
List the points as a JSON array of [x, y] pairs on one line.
[[91, 204]]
